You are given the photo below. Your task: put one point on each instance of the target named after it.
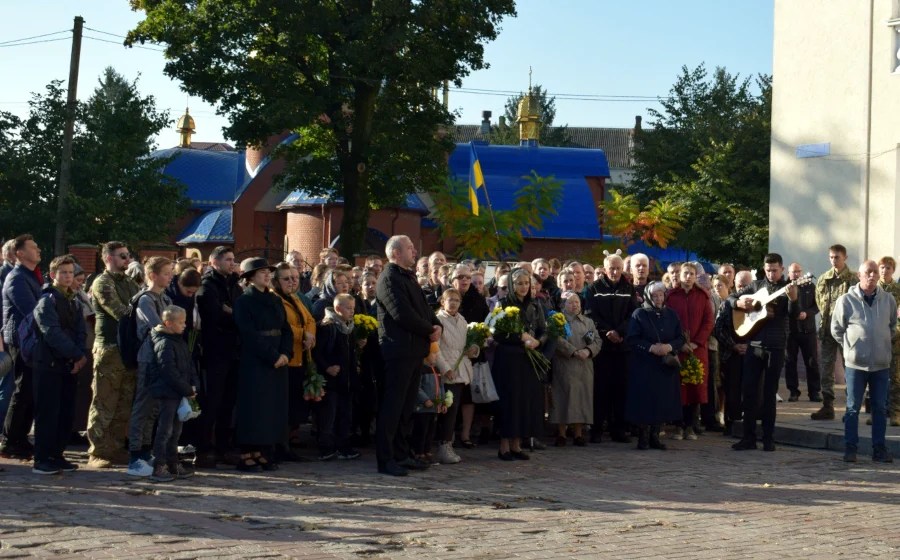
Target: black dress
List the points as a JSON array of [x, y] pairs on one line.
[[521, 405], [262, 402], [654, 389]]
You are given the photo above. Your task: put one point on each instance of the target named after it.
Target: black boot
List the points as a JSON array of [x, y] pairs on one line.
[[655, 443], [643, 438]]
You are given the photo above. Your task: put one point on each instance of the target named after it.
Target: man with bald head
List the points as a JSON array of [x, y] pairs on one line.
[[863, 322], [802, 339]]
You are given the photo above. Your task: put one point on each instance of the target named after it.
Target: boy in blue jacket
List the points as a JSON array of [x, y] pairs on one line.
[[170, 378], [59, 355]]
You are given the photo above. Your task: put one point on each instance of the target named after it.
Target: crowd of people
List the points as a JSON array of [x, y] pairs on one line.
[[264, 350]]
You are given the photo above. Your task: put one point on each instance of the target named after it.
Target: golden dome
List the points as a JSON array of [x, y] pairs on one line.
[[529, 118], [185, 129]]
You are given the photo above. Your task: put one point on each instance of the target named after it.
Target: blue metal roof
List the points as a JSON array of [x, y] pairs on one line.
[[213, 226], [504, 166], [302, 198], [212, 178]]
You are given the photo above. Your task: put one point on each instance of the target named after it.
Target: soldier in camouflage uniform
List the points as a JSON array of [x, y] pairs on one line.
[[113, 385], [831, 285], [886, 268]]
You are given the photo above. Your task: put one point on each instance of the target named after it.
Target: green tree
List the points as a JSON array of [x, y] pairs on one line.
[[476, 236], [550, 135], [353, 77], [118, 192], [656, 224], [707, 151]]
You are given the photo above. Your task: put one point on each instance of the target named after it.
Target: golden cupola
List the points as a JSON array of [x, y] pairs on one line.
[[185, 129], [529, 117]]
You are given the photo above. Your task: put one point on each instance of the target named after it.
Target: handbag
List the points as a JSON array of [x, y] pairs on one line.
[[482, 387], [671, 359]]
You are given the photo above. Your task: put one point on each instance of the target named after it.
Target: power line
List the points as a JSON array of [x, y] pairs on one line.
[[122, 45], [35, 37], [33, 42], [105, 32]]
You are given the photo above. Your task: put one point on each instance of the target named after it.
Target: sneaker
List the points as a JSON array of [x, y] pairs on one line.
[[45, 467], [446, 456], [179, 471], [882, 455], [99, 463], [743, 445], [689, 434], [348, 455], [327, 455], [537, 445], [678, 434], [850, 455], [778, 398], [139, 467], [187, 449], [65, 466], [161, 474]]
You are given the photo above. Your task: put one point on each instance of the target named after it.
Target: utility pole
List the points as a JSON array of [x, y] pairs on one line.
[[65, 168]]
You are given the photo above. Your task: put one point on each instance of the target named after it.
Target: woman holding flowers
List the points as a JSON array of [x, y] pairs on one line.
[[573, 372], [287, 281], [519, 328], [691, 303], [654, 382]]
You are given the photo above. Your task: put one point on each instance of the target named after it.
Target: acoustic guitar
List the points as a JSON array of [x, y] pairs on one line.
[[748, 323]]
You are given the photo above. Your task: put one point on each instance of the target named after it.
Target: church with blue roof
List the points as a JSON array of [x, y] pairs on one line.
[[233, 201]]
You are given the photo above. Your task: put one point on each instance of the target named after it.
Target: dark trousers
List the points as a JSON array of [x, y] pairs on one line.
[[217, 403], [610, 389], [733, 378], [424, 427], [401, 385], [168, 430], [21, 407], [760, 385], [54, 412], [447, 422], [807, 345], [298, 408], [365, 405], [334, 415], [709, 409]]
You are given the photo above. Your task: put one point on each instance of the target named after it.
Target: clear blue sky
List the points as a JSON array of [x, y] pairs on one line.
[[589, 47]]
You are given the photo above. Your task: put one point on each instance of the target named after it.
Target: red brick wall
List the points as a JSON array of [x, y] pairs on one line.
[[86, 255]]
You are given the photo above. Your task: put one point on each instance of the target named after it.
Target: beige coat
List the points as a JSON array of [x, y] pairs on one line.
[[453, 345], [573, 378]]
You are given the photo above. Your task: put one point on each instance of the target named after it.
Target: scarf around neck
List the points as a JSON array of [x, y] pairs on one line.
[[332, 317]]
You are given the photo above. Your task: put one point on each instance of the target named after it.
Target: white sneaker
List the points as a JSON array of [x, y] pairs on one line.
[[720, 417], [778, 398], [140, 468], [689, 434], [445, 455], [678, 435]]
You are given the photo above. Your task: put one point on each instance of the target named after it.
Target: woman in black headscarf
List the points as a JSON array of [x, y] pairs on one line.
[[654, 381], [521, 405]]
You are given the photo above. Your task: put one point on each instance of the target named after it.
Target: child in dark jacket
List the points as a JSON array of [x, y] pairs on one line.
[[171, 377], [429, 404], [58, 357], [335, 357]]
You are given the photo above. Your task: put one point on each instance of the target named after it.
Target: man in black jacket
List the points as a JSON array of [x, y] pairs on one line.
[[406, 327], [610, 303], [215, 303], [802, 338], [765, 355]]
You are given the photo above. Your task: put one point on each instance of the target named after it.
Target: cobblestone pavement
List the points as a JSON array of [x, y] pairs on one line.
[[700, 499]]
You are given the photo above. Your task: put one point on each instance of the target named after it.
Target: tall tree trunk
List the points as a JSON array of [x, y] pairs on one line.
[[355, 172]]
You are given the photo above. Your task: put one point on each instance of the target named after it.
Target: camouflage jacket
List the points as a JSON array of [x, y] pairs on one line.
[[830, 287], [111, 292], [894, 289]]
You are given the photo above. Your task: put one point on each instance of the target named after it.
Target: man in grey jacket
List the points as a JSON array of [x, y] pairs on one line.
[[863, 322]]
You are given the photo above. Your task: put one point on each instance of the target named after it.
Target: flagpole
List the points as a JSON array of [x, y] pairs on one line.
[[487, 198]]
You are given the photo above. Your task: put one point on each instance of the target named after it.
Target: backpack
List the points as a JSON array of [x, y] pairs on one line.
[[29, 336], [127, 335]]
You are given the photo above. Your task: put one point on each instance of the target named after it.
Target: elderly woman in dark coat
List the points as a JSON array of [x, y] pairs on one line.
[[654, 386], [573, 373], [267, 343], [521, 406]]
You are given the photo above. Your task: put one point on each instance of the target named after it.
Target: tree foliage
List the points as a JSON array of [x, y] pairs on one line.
[[656, 224], [550, 135], [707, 151], [475, 236], [118, 192], [353, 77]]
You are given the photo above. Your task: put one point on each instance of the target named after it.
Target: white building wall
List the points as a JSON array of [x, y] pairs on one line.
[[821, 94]]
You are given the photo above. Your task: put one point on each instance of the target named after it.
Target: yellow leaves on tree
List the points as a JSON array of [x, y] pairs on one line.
[[655, 224]]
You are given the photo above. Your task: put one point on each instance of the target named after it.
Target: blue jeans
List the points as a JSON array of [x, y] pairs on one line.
[[878, 382]]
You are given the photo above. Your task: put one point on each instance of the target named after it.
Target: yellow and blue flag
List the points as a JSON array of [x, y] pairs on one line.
[[476, 180]]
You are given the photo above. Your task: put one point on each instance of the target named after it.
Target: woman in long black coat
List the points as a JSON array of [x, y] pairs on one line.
[[521, 405], [654, 388], [266, 348]]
